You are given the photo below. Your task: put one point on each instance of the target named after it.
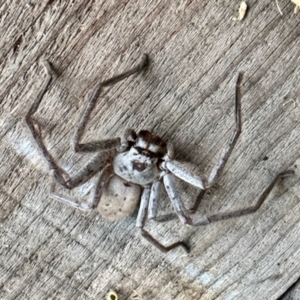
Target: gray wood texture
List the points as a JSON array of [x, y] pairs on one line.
[[51, 251]]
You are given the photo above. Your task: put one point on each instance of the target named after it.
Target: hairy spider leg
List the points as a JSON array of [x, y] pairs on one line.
[[149, 201], [183, 214], [186, 175], [80, 127], [141, 220], [87, 207], [218, 168], [180, 171], [61, 176], [153, 204], [153, 200], [100, 160]]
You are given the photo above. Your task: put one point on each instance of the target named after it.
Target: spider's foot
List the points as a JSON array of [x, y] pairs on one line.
[[49, 69], [287, 173], [145, 61], [186, 247], [37, 127]]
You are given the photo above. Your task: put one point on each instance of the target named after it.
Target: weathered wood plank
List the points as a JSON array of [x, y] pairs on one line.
[[50, 251]]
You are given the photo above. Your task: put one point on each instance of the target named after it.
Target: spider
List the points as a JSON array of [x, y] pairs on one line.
[[134, 167]]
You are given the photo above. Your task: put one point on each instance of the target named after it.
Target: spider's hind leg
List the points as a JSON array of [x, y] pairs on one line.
[[87, 207]]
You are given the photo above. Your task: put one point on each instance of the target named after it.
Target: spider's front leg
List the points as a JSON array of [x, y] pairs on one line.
[[61, 176], [99, 161], [180, 171], [96, 164], [80, 127]]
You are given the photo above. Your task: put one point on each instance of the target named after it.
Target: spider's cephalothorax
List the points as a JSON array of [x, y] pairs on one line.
[[136, 167], [140, 163]]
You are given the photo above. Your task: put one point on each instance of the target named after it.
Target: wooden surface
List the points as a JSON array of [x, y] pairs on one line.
[[51, 251]]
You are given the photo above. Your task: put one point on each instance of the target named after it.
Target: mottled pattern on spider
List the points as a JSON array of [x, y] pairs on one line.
[[134, 167]]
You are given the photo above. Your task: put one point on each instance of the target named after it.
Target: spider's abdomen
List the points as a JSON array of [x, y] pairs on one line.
[[136, 167], [118, 199]]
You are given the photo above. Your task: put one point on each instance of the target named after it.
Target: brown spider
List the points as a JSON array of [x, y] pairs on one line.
[[134, 167]]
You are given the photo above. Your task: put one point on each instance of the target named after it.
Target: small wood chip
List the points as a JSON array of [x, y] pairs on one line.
[[112, 295], [278, 7], [242, 12], [297, 2]]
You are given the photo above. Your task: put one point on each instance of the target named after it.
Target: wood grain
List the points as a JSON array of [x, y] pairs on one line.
[[50, 251]]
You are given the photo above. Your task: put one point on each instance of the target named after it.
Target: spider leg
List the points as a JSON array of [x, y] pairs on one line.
[[218, 168], [195, 207], [251, 209], [62, 177], [81, 125], [102, 181], [181, 171], [172, 216], [141, 220], [153, 204], [154, 198], [70, 201], [183, 214], [181, 211], [30, 123]]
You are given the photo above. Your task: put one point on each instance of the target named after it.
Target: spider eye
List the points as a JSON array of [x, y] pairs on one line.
[[145, 152], [150, 144], [149, 153]]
